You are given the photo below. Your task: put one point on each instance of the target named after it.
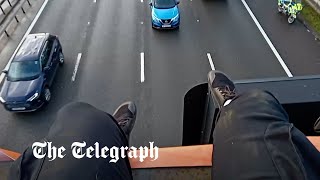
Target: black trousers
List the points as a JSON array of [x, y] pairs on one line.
[[77, 122], [253, 139]]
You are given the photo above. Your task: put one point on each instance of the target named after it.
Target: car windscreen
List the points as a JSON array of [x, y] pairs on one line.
[[164, 4], [24, 70]]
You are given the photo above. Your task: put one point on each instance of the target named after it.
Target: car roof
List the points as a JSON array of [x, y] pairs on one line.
[[31, 47]]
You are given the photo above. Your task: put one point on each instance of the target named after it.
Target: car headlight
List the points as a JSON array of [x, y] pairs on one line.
[[2, 100], [154, 17], [175, 18], [33, 97]]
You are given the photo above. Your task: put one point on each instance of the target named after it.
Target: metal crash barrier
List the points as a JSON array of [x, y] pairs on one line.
[[11, 14]]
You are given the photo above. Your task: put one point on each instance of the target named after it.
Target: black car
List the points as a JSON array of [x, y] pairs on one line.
[[31, 73]]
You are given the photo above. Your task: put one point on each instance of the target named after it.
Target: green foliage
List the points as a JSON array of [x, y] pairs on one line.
[[311, 16]]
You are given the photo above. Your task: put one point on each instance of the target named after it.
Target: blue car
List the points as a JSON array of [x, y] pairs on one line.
[[30, 75], [165, 14]]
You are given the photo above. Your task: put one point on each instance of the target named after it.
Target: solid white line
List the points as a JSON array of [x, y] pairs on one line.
[[24, 36], [76, 67], [142, 66], [210, 61], [283, 64]]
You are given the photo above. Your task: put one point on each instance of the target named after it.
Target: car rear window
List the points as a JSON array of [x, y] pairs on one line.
[[164, 4]]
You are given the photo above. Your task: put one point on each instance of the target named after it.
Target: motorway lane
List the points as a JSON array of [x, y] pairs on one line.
[[68, 22], [175, 63], [297, 46], [113, 54], [19, 130], [109, 73], [238, 48], [177, 59]]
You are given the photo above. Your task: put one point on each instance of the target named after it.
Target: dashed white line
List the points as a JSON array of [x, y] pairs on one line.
[[94, 1], [142, 66], [88, 23], [210, 61], [142, 1], [274, 50], [76, 67], [24, 37]]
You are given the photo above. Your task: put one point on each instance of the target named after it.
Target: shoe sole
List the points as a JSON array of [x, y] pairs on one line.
[[211, 76], [131, 108]]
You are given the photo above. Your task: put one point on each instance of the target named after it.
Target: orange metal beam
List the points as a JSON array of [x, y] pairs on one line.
[[181, 156]]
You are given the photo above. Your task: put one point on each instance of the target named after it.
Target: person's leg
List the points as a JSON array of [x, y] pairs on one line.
[[79, 122], [253, 139]]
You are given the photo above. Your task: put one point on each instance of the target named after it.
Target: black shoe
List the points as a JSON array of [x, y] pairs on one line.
[[126, 115], [221, 87]]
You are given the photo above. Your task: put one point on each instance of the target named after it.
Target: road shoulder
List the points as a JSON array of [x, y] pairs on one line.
[[310, 17], [17, 31]]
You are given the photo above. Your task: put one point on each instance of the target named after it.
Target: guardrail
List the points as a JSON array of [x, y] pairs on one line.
[[12, 14], [315, 4], [5, 5], [1, 3]]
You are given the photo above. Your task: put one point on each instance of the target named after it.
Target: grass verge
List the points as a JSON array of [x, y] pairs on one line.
[[311, 16]]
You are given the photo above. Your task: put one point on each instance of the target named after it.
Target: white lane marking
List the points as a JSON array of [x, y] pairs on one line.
[[142, 66], [210, 61], [94, 1], [89, 23], [24, 37], [141, 22], [274, 50], [76, 67], [198, 20], [142, 1]]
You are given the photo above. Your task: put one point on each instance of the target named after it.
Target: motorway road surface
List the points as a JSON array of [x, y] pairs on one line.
[[105, 40]]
